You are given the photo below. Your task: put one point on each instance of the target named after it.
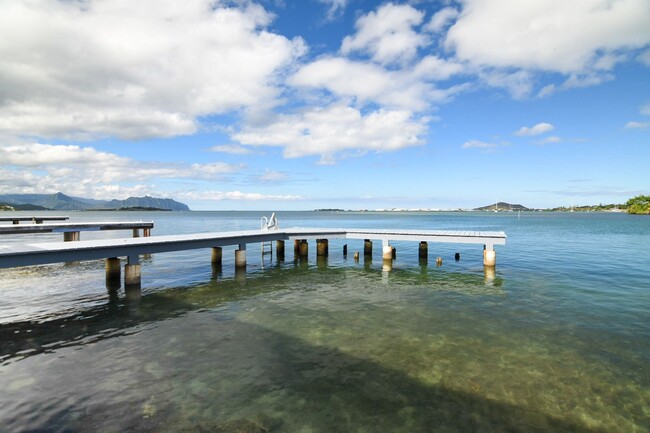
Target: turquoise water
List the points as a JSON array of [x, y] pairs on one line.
[[557, 340]]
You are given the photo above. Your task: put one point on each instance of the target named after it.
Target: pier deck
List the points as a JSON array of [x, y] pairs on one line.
[[55, 252], [34, 219], [73, 227]]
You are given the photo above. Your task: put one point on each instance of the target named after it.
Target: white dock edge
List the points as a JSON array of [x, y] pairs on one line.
[[56, 252]]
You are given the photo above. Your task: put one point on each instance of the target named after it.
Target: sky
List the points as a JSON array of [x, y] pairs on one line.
[[307, 104]]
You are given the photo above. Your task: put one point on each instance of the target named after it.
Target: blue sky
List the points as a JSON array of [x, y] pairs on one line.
[[353, 104]]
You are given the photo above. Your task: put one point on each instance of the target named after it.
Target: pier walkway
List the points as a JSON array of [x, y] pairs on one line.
[[71, 230], [110, 249], [34, 219]]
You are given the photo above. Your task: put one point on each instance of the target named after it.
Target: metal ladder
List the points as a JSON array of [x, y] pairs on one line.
[[266, 224]]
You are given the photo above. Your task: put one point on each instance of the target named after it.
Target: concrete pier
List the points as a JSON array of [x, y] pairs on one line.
[[113, 273], [240, 256], [37, 253], [217, 256], [489, 258], [387, 252], [279, 249], [367, 247], [322, 247], [423, 250], [71, 236], [303, 249], [296, 248], [132, 275]]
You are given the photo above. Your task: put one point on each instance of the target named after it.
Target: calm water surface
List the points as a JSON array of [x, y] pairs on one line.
[[557, 341]]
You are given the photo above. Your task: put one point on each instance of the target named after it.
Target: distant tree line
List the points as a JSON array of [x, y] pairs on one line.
[[639, 205]]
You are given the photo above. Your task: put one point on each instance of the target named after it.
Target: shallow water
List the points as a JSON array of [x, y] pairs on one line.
[[558, 340]]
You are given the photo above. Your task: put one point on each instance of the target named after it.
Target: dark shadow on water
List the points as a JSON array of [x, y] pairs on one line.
[[290, 385], [300, 387]]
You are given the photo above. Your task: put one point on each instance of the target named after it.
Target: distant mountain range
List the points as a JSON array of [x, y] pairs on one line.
[[60, 201], [502, 206]]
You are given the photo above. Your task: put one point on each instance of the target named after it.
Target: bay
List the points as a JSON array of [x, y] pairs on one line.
[[557, 340]]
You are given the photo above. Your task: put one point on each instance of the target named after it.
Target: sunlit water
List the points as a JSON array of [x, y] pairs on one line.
[[558, 340]]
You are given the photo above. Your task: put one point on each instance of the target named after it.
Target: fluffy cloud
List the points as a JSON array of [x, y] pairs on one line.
[[86, 170], [540, 128], [336, 7], [550, 35], [235, 195], [332, 130], [441, 19], [476, 144], [637, 125], [387, 35], [131, 70]]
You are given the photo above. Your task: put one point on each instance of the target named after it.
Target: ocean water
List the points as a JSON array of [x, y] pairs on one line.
[[557, 340]]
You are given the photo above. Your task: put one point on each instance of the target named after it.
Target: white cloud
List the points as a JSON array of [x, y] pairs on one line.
[[131, 70], [74, 168], [644, 57], [549, 140], [441, 19], [273, 176], [519, 84], [336, 8], [476, 144], [328, 131], [387, 34], [547, 91], [637, 125], [234, 195], [645, 109], [233, 149], [551, 35], [407, 89], [539, 128]]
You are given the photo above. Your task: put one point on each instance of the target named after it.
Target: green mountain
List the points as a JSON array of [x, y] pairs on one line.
[[60, 201], [502, 207]]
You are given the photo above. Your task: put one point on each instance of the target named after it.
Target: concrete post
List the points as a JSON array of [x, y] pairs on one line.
[[217, 255], [71, 236], [279, 249], [356, 256], [322, 247], [423, 252], [296, 248], [345, 250], [240, 256], [438, 261], [489, 258], [132, 273], [136, 233], [394, 253], [304, 249], [387, 265], [387, 252], [457, 257], [146, 232], [489, 255], [113, 273], [367, 247]]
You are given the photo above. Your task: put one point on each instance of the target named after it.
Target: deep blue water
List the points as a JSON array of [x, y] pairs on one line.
[[557, 340]]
